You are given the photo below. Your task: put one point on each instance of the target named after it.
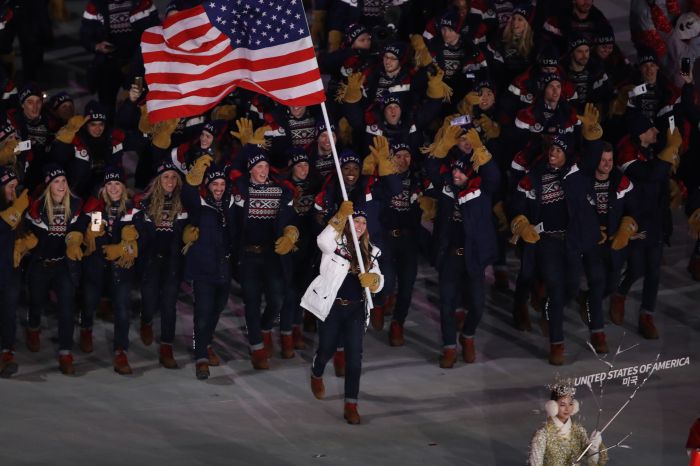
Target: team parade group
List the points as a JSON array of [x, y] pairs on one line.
[[465, 134]]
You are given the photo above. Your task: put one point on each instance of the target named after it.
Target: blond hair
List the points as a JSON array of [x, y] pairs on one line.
[[156, 194], [522, 44], [122, 200], [49, 204]]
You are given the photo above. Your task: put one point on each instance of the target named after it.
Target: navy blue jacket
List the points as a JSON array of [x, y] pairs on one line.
[[208, 259], [113, 234], [152, 239], [39, 225], [650, 177], [475, 203], [285, 216], [583, 231]]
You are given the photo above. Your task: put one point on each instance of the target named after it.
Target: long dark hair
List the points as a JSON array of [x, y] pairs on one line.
[[364, 247]]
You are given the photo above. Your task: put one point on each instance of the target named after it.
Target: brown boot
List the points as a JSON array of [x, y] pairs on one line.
[[86, 340], [298, 338], [460, 317], [521, 317], [350, 413], [318, 388], [65, 364], [694, 267], [33, 340], [556, 354], [201, 370], [121, 363], [166, 358], [339, 363], [287, 344], [267, 341], [309, 322], [8, 364], [617, 308], [448, 358], [259, 359], [213, 359], [647, 327], [376, 317], [599, 343], [468, 351], [146, 334], [396, 334]]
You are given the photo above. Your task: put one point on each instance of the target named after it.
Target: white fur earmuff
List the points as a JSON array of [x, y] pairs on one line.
[[552, 408]]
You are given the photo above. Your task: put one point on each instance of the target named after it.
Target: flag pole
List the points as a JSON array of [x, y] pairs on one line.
[[355, 242], [339, 173]]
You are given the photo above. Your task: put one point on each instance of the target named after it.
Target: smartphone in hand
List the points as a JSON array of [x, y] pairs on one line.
[[685, 65]]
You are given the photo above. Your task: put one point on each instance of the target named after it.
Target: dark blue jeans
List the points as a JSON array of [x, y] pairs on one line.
[[159, 292], [643, 261], [261, 273], [595, 268], [454, 281], [9, 298], [295, 283], [94, 267], [209, 300], [399, 262], [346, 323], [561, 270], [54, 276], [120, 287]]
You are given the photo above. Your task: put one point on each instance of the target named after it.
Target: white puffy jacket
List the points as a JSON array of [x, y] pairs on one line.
[[320, 295]]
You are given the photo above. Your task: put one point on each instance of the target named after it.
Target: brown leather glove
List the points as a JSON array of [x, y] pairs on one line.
[[195, 175], [351, 92], [224, 112], [621, 238], [74, 241], [380, 151], [443, 142], [437, 89], [13, 214], [7, 151], [67, 132], [23, 245], [190, 234], [369, 280], [590, 123], [480, 155], [162, 132], [521, 228], [287, 242], [421, 54], [429, 207], [340, 218]]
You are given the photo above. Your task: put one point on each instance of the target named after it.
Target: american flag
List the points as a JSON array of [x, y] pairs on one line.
[[200, 54]]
